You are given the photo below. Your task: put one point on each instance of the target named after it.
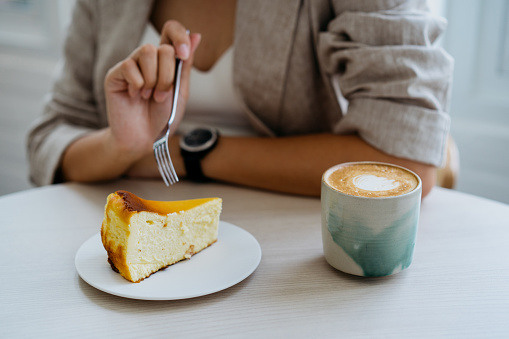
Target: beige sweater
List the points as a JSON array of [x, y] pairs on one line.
[[295, 62]]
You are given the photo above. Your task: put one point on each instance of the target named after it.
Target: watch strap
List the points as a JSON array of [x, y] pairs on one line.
[[192, 164]]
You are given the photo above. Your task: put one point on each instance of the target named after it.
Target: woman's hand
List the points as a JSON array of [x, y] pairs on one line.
[[139, 90], [138, 97]]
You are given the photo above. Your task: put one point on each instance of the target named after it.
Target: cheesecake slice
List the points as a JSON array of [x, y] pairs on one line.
[[144, 236]]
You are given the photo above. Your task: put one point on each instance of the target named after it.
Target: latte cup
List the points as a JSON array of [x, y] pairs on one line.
[[370, 215]]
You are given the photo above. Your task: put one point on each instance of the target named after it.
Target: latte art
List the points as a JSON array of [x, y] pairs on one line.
[[373, 180], [370, 182]]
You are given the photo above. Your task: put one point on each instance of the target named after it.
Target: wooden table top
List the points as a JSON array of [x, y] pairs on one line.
[[457, 285]]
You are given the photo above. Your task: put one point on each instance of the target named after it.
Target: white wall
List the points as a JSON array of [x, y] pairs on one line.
[[34, 26], [478, 39]]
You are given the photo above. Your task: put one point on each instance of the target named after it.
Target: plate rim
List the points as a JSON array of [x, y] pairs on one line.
[[223, 225]]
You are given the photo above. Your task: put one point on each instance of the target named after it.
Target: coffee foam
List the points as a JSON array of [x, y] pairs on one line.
[[371, 180]]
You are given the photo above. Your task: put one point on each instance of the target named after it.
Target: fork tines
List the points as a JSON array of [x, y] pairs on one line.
[[162, 155]]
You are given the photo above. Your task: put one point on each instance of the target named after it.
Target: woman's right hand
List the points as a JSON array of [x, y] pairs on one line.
[[139, 90]]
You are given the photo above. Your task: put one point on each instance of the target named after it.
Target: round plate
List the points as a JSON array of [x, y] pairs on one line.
[[234, 256]]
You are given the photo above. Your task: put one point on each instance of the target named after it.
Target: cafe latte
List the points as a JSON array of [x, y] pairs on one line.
[[370, 215], [373, 180]]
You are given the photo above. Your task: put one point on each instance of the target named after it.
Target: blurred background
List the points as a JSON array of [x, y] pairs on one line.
[[32, 32]]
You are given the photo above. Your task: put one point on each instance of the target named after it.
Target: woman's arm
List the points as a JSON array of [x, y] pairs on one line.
[[295, 164], [287, 164]]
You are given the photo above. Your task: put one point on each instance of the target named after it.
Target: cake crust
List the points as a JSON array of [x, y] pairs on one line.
[[131, 202]]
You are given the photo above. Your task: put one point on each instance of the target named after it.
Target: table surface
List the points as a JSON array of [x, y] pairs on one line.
[[457, 285]]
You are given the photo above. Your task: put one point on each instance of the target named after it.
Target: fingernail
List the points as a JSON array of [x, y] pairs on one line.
[[160, 96], [146, 93], [183, 51]]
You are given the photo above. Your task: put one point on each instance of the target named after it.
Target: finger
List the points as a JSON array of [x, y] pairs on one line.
[[187, 65], [165, 72], [130, 72], [175, 34], [146, 58]]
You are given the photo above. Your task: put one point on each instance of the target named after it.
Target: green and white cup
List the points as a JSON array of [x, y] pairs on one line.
[[370, 215]]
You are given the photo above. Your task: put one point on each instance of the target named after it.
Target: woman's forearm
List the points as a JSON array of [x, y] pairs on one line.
[[295, 164], [95, 157]]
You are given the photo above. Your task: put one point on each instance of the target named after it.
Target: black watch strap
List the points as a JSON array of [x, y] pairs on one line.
[[193, 167]]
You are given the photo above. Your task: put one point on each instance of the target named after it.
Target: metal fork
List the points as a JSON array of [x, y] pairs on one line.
[[161, 150]]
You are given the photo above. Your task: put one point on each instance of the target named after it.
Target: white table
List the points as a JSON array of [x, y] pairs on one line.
[[457, 286]]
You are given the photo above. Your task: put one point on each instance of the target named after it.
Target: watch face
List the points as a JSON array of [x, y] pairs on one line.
[[198, 140]]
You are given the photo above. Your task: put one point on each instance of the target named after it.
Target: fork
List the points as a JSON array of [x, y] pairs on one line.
[[161, 150]]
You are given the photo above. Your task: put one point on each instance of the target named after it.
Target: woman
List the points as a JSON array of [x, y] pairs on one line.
[[295, 63]]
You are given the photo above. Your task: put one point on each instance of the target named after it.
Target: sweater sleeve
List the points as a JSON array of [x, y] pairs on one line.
[[70, 109], [383, 58]]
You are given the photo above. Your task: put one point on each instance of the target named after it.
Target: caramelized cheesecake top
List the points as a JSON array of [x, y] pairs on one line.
[[130, 203]]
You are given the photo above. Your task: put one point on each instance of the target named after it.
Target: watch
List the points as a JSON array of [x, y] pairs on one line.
[[194, 146]]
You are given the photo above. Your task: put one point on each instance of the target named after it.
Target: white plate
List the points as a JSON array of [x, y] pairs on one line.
[[234, 256]]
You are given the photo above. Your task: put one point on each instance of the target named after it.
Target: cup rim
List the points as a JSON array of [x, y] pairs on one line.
[[333, 168]]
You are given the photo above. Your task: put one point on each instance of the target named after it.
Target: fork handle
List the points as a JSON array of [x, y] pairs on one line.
[[176, 89]]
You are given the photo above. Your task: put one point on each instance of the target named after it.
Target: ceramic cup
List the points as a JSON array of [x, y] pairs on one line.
[[370, 214]]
